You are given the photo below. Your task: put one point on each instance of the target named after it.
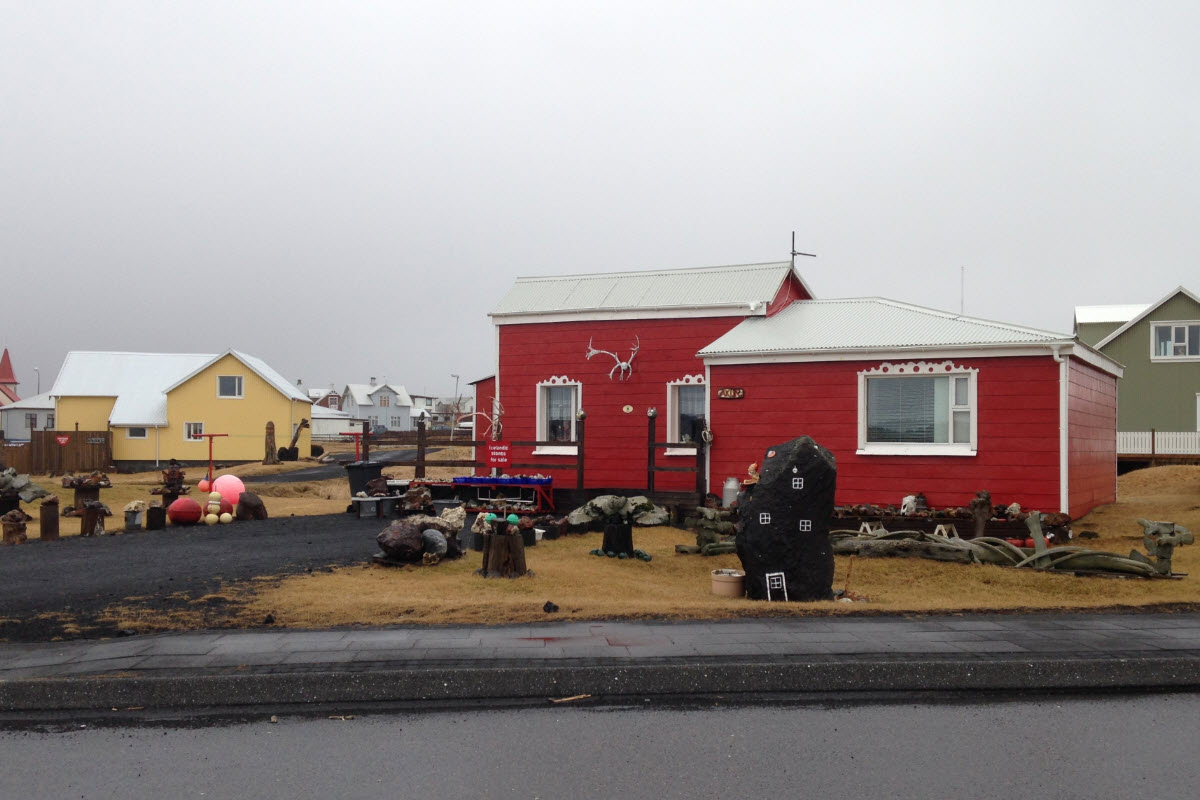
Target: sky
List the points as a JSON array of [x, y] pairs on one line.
[[345, 190]]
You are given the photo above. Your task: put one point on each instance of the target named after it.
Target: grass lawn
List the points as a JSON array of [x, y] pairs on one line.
[[679, 587]]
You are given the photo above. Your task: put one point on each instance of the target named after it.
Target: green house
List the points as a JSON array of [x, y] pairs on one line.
[[1159, 345]]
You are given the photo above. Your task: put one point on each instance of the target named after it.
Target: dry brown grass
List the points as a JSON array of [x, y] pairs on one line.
[[679, 587]]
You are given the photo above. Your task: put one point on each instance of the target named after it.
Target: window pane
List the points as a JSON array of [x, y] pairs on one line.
[[560, 413], [1194, 340], [691, 412], [229, 385], [910, 410], [1162, 340], [960, 392], [962, 426]]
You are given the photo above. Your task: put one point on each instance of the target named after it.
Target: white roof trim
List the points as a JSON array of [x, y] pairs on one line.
[[1066, 348], [1149, 310], [276, 380]]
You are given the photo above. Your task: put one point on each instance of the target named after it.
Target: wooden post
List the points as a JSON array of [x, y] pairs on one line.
[[651, 420], [419, 470], [49, 521], [701, 484], [1153, 448], [366, 441], [579, 431]]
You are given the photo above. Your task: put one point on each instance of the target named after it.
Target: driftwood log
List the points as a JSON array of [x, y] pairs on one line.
[[272, 455]]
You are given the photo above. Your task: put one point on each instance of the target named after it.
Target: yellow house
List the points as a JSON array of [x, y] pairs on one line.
[[157, 405]]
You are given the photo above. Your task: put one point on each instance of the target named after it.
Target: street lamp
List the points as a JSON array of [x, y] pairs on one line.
[[39, 380], [455, 385]]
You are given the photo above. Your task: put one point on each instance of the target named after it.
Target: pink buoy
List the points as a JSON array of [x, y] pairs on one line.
[[230, 487], [204, 485]]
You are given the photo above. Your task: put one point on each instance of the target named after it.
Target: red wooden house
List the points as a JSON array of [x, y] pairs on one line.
[[907, 398]]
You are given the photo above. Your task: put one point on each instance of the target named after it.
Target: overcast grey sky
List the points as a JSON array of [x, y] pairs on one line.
[[345, 189]]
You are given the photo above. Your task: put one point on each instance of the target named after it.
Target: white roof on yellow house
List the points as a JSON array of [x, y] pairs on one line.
[[140, 381]]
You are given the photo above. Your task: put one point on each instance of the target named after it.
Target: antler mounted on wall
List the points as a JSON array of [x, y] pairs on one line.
[[626, 367]]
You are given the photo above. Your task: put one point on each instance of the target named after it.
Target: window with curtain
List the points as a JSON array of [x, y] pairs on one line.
[[910, 413]]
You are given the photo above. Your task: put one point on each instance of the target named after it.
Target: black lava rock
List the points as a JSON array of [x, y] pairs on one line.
[[784, 524]]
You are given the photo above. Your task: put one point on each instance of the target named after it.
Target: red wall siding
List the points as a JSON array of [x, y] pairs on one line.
[[1092, 422], [616, 442], [1017, 459]]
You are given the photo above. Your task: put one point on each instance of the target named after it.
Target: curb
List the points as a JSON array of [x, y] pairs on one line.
[[609, 683]]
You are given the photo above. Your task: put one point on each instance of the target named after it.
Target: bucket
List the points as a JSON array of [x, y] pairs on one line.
[[539, 534], [728, 582]]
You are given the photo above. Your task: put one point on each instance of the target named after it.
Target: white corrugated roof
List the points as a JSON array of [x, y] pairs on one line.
[[1085, 315], [140, 381], [729, 286], [868, 323], [325, 412], [38, 402], [361, 392]]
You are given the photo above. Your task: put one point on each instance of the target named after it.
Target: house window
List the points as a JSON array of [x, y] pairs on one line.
[[1175, 340], [428, 401], [333, 403], [31, 421], [49, 422], [135, 433], [685, 412], [917, 409], [557, 405], [229, 386], [193, 430], [385, 400]]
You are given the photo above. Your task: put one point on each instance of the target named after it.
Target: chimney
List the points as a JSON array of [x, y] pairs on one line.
[[372, 380]]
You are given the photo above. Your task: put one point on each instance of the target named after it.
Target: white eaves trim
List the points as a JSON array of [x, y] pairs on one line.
[[1149, 310], [255, 365], [669, 312], [1063, 348]]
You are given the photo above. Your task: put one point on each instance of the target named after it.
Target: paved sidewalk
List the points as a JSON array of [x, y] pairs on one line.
[[613, 660]]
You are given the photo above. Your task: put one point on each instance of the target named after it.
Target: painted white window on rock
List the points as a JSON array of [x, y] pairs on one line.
[[229, 386], [193, 430], [685, 412], [558, 403], [917, 409], [1172, 340]]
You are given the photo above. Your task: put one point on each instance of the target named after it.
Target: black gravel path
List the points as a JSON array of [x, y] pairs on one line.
[[79, 577]]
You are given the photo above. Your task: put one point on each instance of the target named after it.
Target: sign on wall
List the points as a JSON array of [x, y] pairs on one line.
[[498, 454], [729, 393]]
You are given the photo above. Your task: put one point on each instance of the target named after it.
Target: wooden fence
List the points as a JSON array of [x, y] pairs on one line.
[[652, 447], [59, 452]]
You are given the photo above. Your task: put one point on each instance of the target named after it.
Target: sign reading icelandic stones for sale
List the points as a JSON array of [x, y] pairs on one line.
[[783, 537], [62, 440], [498, 454]]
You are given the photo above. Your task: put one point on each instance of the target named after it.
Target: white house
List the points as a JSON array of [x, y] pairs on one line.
[[33, 413], [385, 404]]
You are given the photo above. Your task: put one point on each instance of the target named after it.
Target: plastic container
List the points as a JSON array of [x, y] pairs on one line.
[[729, 492], [728, 582], [361, 472]]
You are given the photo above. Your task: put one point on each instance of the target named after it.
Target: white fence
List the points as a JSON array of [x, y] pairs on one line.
[[1162, 443]]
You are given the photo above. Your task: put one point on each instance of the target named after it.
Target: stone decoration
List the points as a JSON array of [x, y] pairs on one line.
[[784, 524], [250, 506]]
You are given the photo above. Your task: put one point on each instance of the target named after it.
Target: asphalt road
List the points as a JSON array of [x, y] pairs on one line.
[[337, 470], [1060, 747], [80, 576]]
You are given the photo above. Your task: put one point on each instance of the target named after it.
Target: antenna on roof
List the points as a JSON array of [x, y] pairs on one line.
[[796, 252]]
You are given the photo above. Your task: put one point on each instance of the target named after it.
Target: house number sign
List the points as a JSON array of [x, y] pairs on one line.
[[729, 393]]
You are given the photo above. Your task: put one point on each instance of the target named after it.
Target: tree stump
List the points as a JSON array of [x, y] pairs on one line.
[[156, 518], [618, 536], [92, 522], [49, 522], [14, 533], [503, 554]]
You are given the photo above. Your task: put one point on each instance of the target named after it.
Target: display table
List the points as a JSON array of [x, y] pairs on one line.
[[518, 494]]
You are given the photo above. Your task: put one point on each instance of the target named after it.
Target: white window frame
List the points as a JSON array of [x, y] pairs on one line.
[[543, 416], [385, 400], [129, 432], [49, 423], [241, 388], [187, 437], [673, 413], [1185, 325], [921, 369]]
